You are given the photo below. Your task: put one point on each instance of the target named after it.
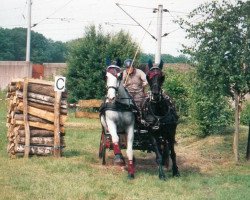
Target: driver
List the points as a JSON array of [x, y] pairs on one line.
[[135, 82]]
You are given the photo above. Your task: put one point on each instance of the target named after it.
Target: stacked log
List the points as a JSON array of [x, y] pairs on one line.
[[33, 111], [86, 108]]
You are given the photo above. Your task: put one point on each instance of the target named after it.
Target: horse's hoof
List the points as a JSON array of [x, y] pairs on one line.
[[119, 160], [131, 176], [177, 174], [163, 178]]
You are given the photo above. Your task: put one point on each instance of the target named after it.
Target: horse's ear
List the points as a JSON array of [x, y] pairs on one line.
[[118, 62], [161, 64], [150, 64], [108, 61]]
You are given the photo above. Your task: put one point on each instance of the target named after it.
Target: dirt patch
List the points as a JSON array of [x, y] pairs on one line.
[[198, 155], [192, 156]]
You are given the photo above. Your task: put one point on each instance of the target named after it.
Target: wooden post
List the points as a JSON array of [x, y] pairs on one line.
[[248, 143], [57, 144], [25, 118], [236, 131]]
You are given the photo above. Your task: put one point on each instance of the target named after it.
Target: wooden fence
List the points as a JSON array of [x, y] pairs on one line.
[[88, 108]]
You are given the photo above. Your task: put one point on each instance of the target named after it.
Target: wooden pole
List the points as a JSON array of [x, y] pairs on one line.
[[57, 144], [25, 118], [248, 143], [236, 131]]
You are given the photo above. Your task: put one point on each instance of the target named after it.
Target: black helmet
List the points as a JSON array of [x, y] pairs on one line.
[[128, 62]]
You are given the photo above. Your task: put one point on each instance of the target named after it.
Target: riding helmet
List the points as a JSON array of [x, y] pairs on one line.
[[128, 62]]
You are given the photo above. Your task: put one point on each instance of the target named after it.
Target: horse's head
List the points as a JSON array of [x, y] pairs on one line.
[[113, 78], [155, 79]]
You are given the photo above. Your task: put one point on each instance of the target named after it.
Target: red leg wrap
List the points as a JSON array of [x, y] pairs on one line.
[[116, 148], [131, 167]]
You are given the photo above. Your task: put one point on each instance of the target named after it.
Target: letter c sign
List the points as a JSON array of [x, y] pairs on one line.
[[59, 85]]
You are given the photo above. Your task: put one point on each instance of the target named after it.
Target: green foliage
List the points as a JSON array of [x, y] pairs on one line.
[[176, 85], [210, 109], [221, 47], [211, 114], [205, 108], [87, 60], [220, 55], [165, 57], [122, 46], [13, 47], [245, 114], [144, 58]]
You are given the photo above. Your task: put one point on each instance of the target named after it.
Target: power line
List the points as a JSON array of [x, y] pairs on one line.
[[6, 10], [166, 34], [53, 13], [123, 24], [136, 21], [136, 6]]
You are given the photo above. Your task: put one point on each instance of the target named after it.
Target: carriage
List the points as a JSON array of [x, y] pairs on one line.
[[155, 132]]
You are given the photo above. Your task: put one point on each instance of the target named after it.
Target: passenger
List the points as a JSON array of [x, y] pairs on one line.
[[135, 82]]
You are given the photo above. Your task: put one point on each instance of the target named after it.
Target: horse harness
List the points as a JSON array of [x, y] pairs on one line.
[[155, 121]]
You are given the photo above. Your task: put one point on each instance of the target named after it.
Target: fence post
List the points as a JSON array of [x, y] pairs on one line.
[[57, 138], [25, 118]]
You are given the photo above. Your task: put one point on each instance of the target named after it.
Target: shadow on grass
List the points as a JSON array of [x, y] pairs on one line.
[[71, 153], [149, 166]]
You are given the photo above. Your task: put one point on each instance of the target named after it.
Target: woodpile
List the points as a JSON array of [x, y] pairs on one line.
[[36, 117], [88, 108]]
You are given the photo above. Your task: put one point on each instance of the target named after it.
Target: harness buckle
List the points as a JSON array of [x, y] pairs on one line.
[[155, 128]]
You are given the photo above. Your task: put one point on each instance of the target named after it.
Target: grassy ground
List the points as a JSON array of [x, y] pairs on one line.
[[206, 166]]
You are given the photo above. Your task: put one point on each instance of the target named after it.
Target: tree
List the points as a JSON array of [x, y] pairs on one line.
[[13, 47], [121, 45], [5, 45], [247, 11], [167, 58], [57, 51], [220, 51], [87, 60]]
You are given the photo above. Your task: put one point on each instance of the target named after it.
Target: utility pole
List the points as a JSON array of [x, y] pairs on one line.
[[28, 31], [159, 33]]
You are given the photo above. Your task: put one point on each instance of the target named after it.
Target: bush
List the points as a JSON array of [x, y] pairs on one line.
[[87, 60], [210, 109], [245, 114], [176, 86]]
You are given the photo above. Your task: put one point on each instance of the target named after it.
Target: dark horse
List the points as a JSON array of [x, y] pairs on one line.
[[160, 116]]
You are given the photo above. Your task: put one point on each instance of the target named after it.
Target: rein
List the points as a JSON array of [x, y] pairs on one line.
[[112, 87], [116, 105], [156, 117]]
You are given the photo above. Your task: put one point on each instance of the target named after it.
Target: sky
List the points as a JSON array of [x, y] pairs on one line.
[[64, 20]]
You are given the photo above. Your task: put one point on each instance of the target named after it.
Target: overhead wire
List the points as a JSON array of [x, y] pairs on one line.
[[136, 6], [136, 21], [123, 24], [166, 34], [53, 13], [137, 50]]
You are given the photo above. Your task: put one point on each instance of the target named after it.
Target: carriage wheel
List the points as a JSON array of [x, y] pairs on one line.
[[102, 148]]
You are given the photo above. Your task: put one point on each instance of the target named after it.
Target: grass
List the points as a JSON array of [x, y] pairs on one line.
[[206, 165]]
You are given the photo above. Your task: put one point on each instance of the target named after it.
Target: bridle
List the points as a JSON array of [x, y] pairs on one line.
[[113, 87], [117, 73], [157, 97], [153, 72]]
